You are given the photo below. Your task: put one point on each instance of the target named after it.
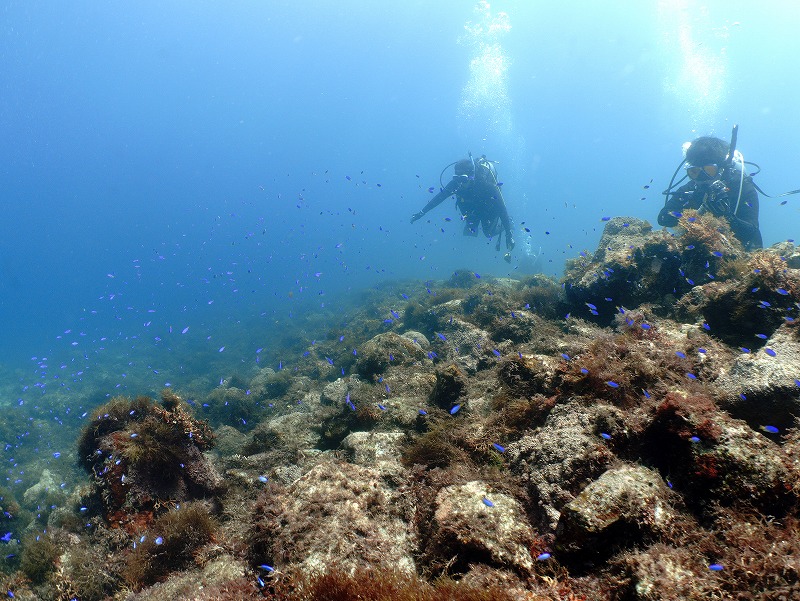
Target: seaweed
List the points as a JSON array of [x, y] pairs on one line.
[[171, 544]]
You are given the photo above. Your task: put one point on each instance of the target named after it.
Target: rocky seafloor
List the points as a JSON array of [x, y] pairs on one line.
[[626, 433]]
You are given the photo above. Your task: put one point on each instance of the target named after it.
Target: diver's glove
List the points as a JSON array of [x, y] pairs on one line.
[[417, 216], [509, 242], [717, 201]]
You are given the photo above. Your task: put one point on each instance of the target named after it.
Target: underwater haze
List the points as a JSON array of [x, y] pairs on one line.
[[181, 180]]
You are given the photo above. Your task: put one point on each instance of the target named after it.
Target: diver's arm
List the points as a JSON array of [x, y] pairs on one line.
[[451, 188], [676, 202]]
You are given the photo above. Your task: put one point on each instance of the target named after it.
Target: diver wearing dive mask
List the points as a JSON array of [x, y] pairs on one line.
[[718, 185], [478, 198]]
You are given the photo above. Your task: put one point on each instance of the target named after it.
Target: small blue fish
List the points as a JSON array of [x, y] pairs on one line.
[[159, 540], [716, 253], [423, 412], [584, 371], [716, 567], [455, 409], [690, 247], [694, 439], [477, 275], [646, 394], [706, 326], [497, 353], [744, 349], [762, 336], [605, 435], [613, 384], [565, 356], [381, 407], [782, 291], [770, 352], [591, 306], [701, 350], [770, 429], [645, 326], [441, 336], [691, 376], [543, 557], [499, 448], [395, 314], [487, 502], [680, 354]]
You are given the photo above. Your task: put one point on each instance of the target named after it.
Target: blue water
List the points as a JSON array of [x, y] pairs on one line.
[[183, 180]]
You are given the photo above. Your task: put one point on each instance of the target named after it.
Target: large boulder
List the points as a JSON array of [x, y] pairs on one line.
[[337, 513], [557, 460], [477, 525], [623, 507]]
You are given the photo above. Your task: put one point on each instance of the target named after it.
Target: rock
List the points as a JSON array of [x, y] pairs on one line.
[[335, 392], [622, 507], [450, 386], [337, 513], [527, 375], [467, 527], [286, 433], [378, 450], [417, 338], [768, 383], [664, 573], [713, 458], [629, 251], [560, 458], [384, 350], [464, 345], [45, 493], [229, 441]]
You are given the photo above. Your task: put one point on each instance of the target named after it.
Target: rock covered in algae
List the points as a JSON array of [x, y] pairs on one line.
[[141, 454], [625, 505], [477, 525], [762, 386], [561, 457], [337, 513]]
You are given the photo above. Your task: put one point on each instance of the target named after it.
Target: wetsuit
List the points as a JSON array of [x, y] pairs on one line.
[[691, 196], [481, 204]]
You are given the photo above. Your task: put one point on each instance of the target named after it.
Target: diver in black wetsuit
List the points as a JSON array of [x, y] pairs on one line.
[[479, 199], [718, 186]]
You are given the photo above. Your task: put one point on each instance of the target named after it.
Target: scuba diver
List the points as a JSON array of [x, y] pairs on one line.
[[719, 185], [478, 198]]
